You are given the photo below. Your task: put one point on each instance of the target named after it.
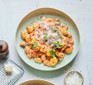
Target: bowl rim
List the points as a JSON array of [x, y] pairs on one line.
[[34, 80], [57, 11]]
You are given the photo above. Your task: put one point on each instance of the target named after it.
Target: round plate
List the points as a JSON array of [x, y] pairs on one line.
[[48, 12], [36, 82]]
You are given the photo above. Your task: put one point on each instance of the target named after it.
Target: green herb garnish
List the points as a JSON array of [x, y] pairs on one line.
[[55, 29], [59, 35], [58, 44], [45, 37], [54, 55], [52, 52], [34, 45]]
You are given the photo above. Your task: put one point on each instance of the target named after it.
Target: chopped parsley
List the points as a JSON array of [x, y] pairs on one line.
[[56, 30], [58, 44], [45, 37], [34, 45], [52, 52], [59, 35]]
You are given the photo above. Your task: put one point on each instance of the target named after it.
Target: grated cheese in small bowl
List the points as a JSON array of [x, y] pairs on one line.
[[74, 78]]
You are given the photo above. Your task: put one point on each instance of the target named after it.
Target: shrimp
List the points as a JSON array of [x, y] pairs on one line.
[[60, 55], [48, 54], [30, 29], [69, 49], [65, 28], [43, 49], [42, 42], [38, 60], [34, 54], [53, 61], [37, 48], [63, 48], [65, 33], [23, 44], [29, 56], [28, 38], [49, 20], [30, 52], [65, 40], [27, 49], [64, 44], [43, 57], [23, 34], [50, 24], [71, 41], [56, 23], [35, 25], [56, 19], [70, 36], [48, 57], [33, 38], [46, 62]]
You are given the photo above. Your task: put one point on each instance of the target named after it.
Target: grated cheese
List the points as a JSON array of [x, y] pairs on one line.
[[8, 68], [73, 78]]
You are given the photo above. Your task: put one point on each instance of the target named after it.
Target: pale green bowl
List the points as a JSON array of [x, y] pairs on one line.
[[49, 12]]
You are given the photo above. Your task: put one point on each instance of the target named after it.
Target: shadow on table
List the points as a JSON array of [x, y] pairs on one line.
[[49, 74]]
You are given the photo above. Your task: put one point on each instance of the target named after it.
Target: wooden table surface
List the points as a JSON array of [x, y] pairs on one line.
[[81, 11]]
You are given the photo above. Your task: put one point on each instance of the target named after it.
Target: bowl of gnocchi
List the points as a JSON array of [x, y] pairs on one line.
[[47, 39]]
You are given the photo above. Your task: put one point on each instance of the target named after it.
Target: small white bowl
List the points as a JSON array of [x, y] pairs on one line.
[[71, 72]]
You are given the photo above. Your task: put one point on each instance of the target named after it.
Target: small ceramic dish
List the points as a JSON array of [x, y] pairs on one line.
[[36, 82], [75, 75]]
